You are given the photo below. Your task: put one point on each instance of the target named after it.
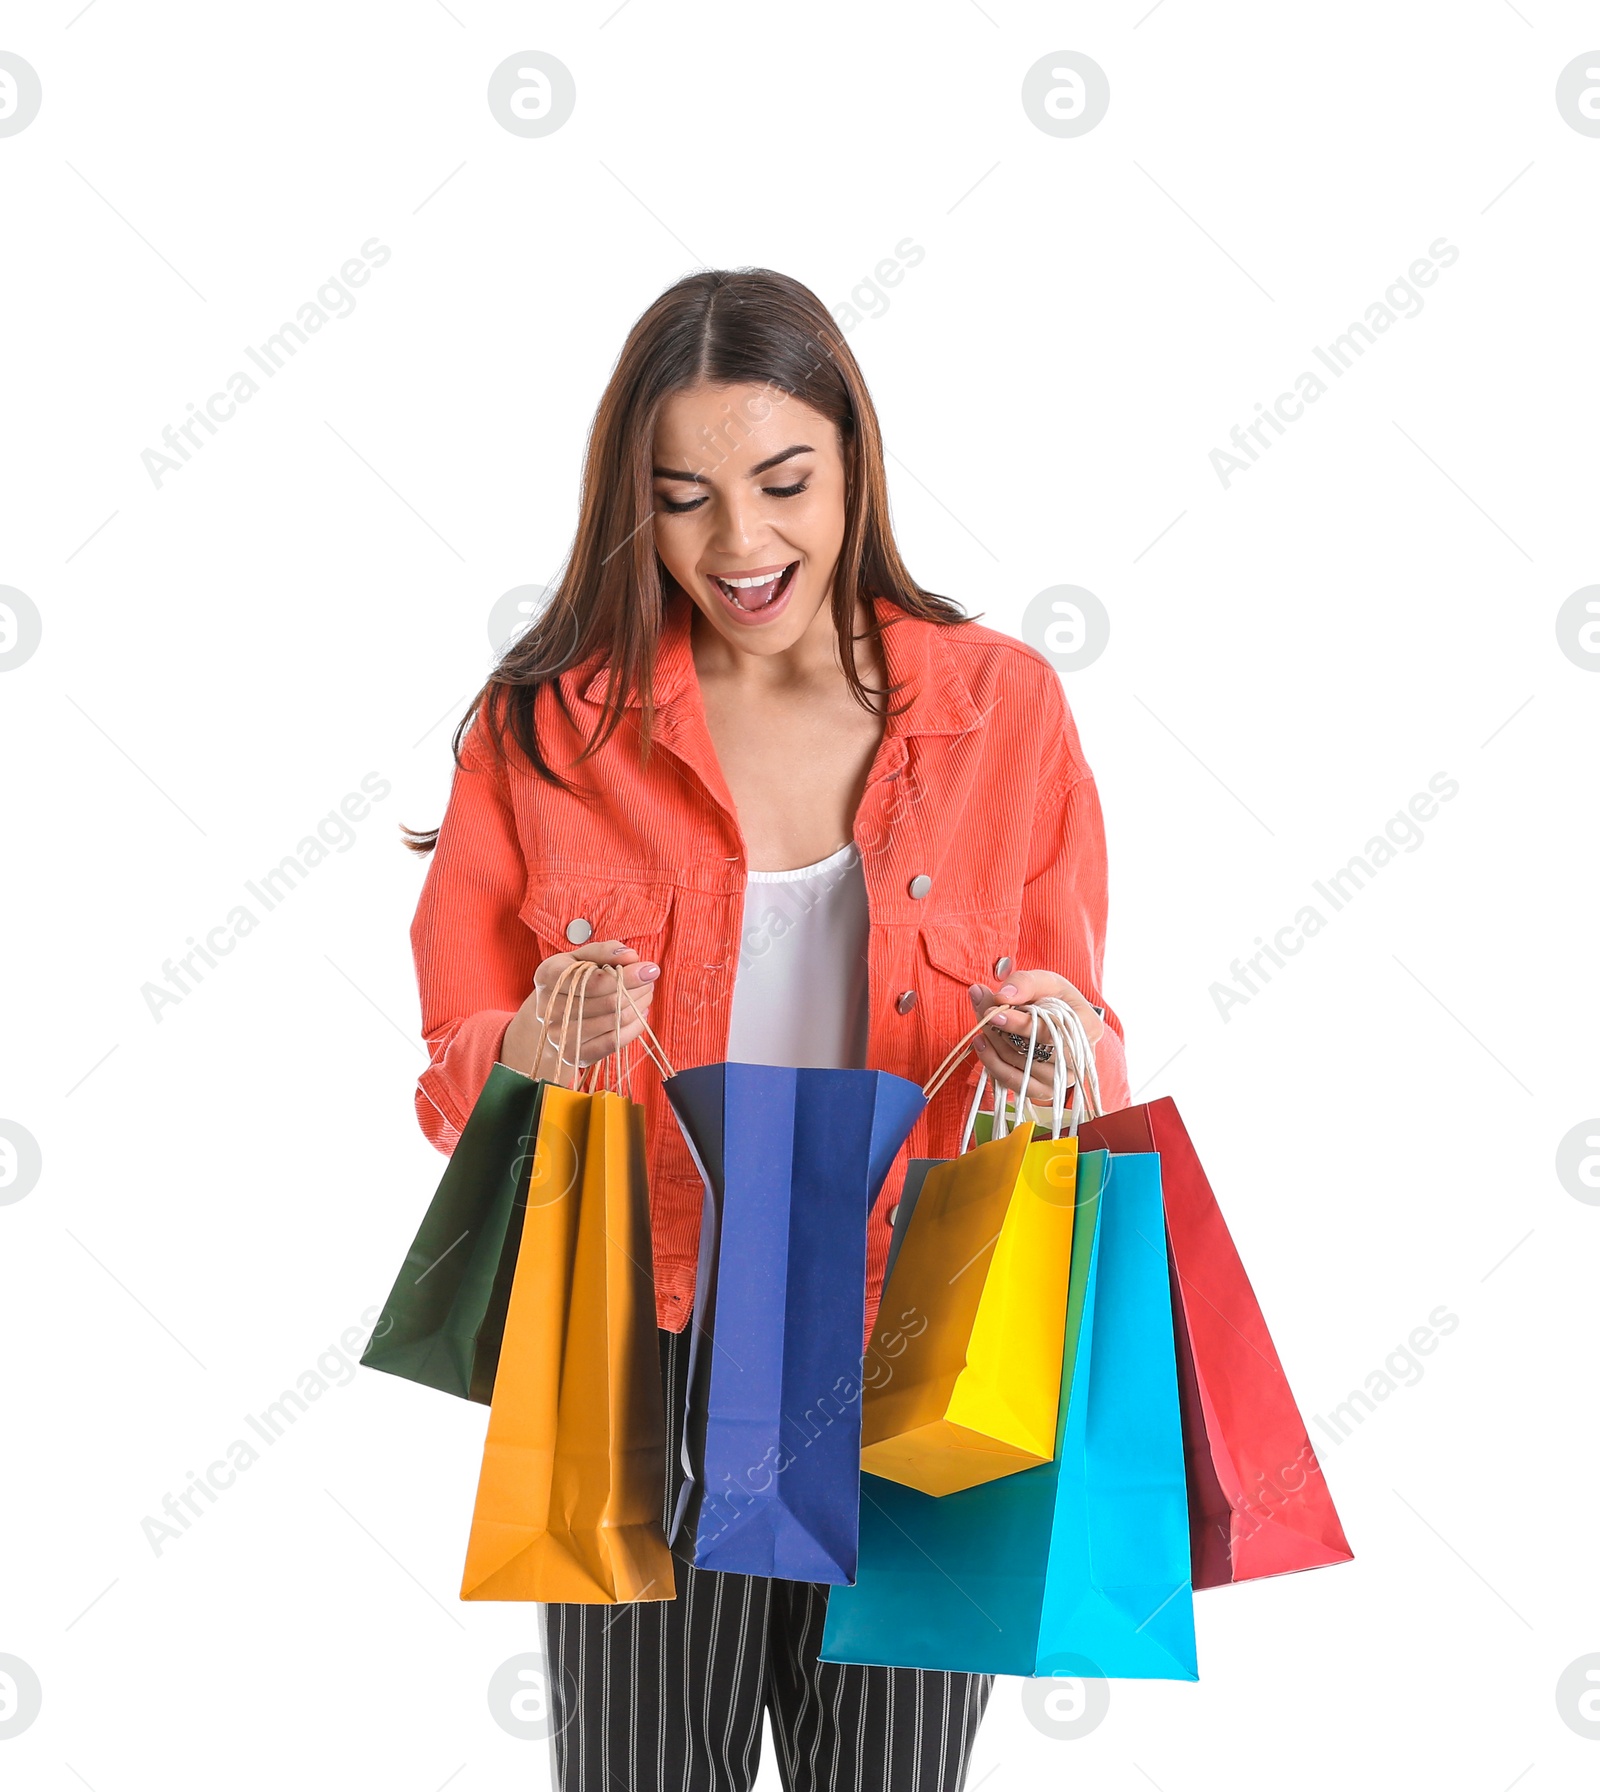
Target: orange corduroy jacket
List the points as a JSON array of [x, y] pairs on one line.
[[979, 787]]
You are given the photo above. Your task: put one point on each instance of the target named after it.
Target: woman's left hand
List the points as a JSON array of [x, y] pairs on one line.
[[1005, 1013]]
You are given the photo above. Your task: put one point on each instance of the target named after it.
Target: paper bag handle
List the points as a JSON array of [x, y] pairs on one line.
[[569, 972], [1071, 1041], [654, 1049]]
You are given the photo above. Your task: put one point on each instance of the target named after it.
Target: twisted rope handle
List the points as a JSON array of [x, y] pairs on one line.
[[1061, 1021], [572, 981], [575, 991], [952, 1060], [549, 1015], [654, 1049], [1059, 1018], [1000, 1123], [602, 1074]]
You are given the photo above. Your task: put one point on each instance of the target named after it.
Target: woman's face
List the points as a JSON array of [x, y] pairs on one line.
[[749, 498]]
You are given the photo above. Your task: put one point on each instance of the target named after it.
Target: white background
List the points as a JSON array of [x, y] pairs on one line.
[[226, 1190]]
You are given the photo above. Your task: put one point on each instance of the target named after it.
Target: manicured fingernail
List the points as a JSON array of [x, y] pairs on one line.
[[1008, 989], [975, 990], [647, 971]]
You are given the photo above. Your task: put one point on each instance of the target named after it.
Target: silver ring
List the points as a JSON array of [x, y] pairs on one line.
[[1043, 1053]]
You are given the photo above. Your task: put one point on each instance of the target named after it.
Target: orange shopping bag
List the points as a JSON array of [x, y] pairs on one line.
[[574, 1464]]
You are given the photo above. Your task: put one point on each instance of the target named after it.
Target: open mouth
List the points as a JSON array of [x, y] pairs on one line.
[[757, 591]]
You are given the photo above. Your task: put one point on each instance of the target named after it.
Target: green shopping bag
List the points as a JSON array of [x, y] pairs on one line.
[[446, 1314]]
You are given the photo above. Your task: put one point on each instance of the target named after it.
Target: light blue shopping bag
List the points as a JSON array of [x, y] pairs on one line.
[[1080, 1565]]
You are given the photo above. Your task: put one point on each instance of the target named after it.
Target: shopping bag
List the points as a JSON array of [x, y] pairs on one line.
[[568, 1507], [771, 1442], [1258, 1502], [442, 1323], [967, 1358], [1084, 1557], [905, 1206]]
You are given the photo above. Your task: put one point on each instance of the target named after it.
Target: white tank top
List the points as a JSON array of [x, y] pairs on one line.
[[800, 991]]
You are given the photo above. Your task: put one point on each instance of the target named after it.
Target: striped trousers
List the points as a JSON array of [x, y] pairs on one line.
[[669, 1695]]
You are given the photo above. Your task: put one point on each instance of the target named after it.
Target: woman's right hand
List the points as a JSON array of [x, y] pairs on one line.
[[592, 1031]]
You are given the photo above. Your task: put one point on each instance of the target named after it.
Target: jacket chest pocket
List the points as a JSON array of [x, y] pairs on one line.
[[566, 912], [955, 954]]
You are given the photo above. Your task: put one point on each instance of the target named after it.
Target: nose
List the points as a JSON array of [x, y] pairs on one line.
[[737, 528]]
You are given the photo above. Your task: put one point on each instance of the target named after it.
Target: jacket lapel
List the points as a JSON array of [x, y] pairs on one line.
[[930, 698]]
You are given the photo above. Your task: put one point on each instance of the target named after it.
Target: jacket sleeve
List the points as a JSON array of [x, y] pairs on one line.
[[1065, 896], [475, 959]]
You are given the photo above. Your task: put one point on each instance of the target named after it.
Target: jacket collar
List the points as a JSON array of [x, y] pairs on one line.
[[933, 697]]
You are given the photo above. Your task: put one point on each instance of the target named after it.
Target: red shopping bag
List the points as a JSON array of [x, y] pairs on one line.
[[1258, 1503]]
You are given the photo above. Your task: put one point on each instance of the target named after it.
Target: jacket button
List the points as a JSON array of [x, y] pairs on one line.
[[906, 1002], [1002, 966], [578, 931], [920, 886], [890, 1212]]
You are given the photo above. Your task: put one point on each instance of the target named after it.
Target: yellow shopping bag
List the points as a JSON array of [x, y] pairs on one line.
[[569, 1503], [964, 1377]]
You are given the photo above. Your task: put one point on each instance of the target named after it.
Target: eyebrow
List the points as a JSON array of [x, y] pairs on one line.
[[765, 466]]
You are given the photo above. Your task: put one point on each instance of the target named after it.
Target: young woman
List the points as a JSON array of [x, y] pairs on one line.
[[821, 819]]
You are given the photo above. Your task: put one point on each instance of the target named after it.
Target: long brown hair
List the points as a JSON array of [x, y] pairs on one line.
[[741, 327]]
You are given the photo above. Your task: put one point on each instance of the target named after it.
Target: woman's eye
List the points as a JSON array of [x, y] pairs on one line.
[[677, 507]]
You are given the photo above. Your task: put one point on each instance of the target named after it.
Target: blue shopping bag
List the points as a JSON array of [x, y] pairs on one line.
[[1080, 1564], [771, 1444]]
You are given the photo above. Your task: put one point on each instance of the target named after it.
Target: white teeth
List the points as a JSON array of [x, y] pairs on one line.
[[765, 585], [766, 578]]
